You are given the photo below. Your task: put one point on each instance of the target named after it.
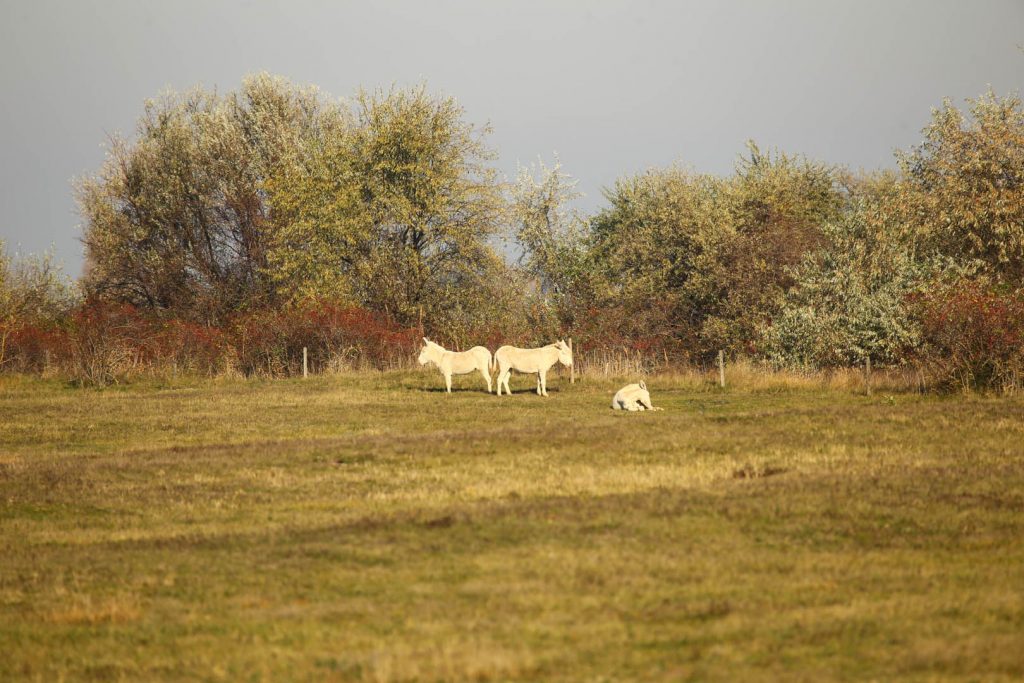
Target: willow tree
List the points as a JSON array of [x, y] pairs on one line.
[[655, 246], [553, 238], [963, 187], [705, 260], [853, 296], [179, 218], [395, 212], [779, 204]]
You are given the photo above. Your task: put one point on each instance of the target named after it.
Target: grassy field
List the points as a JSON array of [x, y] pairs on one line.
[[371, 528]]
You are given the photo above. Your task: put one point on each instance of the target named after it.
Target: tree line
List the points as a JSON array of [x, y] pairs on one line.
[[278, 204]]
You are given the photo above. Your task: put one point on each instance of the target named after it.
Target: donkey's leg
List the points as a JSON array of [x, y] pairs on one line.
[[508, 389], [539, 392], [544, 382], [487, 376], [448, 381]]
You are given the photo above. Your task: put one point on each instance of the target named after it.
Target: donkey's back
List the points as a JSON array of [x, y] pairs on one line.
[[476, 358], [524, 360]]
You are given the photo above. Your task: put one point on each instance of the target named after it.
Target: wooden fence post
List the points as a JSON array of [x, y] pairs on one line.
[[305, 364], [721, 368], [572, 368], [867, 373]]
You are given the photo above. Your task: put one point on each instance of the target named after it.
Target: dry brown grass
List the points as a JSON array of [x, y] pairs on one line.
[[370, 528], [746, 374]]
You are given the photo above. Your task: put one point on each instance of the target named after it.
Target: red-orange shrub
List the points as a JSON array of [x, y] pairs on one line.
[[271, 341], [31, 347], [972, 336], [107, 341], [101, 342]]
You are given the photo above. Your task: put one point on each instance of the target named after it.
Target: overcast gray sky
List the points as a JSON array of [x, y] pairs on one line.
[[612, 86]]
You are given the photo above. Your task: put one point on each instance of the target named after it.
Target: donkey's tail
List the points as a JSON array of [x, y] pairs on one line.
[[493, 363]]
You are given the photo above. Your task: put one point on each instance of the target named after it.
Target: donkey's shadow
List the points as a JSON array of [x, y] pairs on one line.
[[468, 390], [455, 390], [441, 389]]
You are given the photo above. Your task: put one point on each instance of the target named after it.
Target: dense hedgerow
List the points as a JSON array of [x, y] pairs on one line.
[[238, 229], [972, 335], [102, 342], [850, 298]]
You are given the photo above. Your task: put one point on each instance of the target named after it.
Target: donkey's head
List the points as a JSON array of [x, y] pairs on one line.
[[564, 353], [429, 352]]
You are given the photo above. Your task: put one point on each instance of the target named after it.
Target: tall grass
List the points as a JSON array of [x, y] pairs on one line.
[[743, 373]]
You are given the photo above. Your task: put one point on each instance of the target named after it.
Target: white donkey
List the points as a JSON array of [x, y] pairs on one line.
[[457, 362], [633, 397], [531, 361]]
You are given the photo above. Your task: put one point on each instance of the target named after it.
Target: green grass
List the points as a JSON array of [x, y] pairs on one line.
[[370, 528]]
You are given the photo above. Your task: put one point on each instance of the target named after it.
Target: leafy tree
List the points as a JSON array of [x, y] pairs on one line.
[[963, 190], [655, 246], [851, 297], [703, 259], [324, 234], [972, 335], [180, 218], [553, 239], [778, 205], [395, 212]]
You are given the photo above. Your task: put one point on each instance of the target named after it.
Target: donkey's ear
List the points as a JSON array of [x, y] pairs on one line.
[[426, 340], [643, 385]]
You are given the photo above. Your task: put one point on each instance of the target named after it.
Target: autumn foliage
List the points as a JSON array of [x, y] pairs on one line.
[[973, 335], [101, 342], [240, 228]]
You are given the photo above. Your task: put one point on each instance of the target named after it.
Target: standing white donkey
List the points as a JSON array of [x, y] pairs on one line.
[[531, 361], [457, 362]]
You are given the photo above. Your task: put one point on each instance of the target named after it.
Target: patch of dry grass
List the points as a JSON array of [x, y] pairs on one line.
[[367, 527]]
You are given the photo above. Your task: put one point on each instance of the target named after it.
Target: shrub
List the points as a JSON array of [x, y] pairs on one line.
[[962, 189], [972, 336], [32, 347], [188, 346], [850, 299], [34, 297], [106, 342], [271, 341]]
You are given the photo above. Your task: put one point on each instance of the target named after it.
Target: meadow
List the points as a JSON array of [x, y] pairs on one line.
[[368, 527]]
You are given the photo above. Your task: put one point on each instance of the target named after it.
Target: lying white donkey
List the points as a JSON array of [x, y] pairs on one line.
[[633, 397], [457, 362], [531, 361]]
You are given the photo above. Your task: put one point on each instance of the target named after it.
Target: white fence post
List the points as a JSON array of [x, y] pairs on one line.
[[721, 368], [572, 368], [305, 364]]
